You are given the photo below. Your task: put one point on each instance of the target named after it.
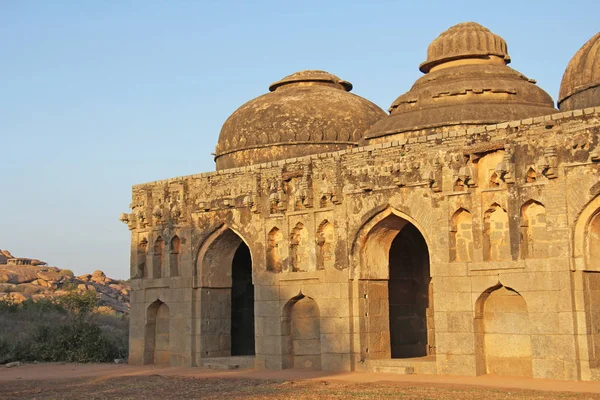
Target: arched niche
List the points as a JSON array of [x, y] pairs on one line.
[[487, 177], [274, 250], [174, 254], [530, 175], [461, 236], [157, 257], [496, 235], [301, 334], [325, 245], [503, 333], [299, 256], [534, 233], [157, 343], [224, 276], [141, 263]]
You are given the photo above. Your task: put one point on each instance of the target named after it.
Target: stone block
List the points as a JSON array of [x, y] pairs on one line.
[[268, 308], [548, 369], [335, 325], [460, 364], [455, 343], [335, 343], [307, 346], [553, 346], [453, 301], [460, 322], [543, 323], [452, 284], [271, 345], [272, 326]]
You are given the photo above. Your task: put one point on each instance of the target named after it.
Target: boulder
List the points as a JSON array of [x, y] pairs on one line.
[[18, 273], [7, 287], [29, 288], [12, 364], [18, 297], [50, 276]]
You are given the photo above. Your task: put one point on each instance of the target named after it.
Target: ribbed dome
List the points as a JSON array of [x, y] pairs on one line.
[[467, 82], [306, 113], [465, 40], [580, 86]]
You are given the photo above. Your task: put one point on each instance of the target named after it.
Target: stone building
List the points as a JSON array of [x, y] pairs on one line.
[[458, 234]]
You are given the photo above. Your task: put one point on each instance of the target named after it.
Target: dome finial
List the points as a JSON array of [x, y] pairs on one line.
[[312, 76], [463, 41]]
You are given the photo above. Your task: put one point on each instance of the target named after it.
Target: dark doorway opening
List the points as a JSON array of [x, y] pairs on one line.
[[408, 288], [242, 303]]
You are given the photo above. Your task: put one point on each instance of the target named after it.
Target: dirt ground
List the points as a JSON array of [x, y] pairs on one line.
[[103, 381]]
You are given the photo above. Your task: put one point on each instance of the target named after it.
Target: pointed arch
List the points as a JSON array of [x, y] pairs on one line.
[[141, 263], [301, 333], [531, 175], [157, 257], [496, 237], [502, 333], [461, 236], [175, 251], [274, 250], [391, 261], [299, 249], [224, 277], [459, 185], [494, 180], [534, 234], [157, 343], [326, 245], [586, 238], [586, 258]]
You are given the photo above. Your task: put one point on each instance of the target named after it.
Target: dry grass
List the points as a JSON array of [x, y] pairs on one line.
[[166, 388]]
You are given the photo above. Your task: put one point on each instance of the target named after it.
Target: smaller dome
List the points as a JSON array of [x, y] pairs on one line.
[[464, 40], [305, 113], [580, 86]]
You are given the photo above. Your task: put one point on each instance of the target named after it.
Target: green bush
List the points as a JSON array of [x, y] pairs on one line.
[[60, 330], [79, 304]]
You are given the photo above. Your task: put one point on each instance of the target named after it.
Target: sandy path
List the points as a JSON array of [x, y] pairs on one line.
[[106, 371]]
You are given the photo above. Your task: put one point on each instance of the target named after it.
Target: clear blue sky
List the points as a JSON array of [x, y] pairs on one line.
[[99, 95]]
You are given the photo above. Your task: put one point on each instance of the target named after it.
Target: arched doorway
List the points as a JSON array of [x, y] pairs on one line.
[[395, 289], [157, 334], [408, 288], [224, 271], [242, 303]]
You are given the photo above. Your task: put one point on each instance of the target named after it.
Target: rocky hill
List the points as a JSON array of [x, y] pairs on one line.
[[23, 278]]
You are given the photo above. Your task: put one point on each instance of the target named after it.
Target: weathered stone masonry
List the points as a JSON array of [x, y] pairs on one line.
[[466, 248]]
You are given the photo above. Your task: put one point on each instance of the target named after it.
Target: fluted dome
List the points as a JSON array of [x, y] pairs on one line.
[[580, 86], [306, 113], [465, 40], [467, 83]]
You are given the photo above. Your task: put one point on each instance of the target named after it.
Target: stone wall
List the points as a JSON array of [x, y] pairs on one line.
[[506, 214]]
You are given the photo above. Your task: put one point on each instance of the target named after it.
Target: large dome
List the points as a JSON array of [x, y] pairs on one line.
[[580, 86], [306, 113], [467, 83]]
